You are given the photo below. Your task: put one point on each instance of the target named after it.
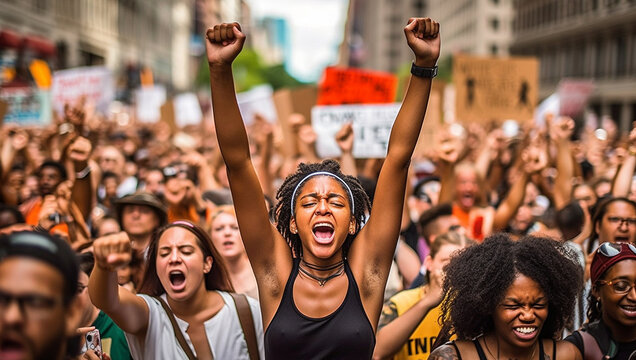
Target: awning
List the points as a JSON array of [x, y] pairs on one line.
[[40, 45], [10, 39]]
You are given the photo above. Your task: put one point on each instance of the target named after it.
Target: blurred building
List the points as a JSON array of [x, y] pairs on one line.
[[583, 39], [375, 36], [124, 35], [272, 40], [478, 27]]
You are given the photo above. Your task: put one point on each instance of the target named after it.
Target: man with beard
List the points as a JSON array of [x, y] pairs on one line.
[[50, 174], [39, 310]]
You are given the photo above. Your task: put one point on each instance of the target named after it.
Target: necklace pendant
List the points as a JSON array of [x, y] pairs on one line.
[[322, 282]]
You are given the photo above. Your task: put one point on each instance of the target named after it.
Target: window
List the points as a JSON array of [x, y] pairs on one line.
[[493, 49], [494, 24]]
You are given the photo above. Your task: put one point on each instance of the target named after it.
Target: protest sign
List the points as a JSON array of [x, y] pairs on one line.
[[149, 100], [341, 86], [290, 101], [432, 120], [94, 83], [371, 127], [257, 100], [495, 89], [187, 110], [26, 105], [573, 96]]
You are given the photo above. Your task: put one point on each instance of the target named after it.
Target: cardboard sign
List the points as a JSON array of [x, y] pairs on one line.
[[289, 101], [26, 105], [371, 127], [341, 86], [495, 89], [257, 100], [187, 110], [573, 96], [94, 83], [432, 120], [149, 101]]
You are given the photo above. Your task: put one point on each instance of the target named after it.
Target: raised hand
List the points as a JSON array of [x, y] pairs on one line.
[[344, 138], [562, 128], [223, 43], [535, 159], [422, 36], [112, 251]]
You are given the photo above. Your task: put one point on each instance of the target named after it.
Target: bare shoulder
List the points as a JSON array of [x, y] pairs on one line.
[[567, 350], [444, 352]]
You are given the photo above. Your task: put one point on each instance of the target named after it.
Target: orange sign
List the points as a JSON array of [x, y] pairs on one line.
[[342, 86]]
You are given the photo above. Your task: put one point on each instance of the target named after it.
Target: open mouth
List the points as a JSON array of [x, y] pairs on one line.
[[177, 280], [525, 332], [323, 233], [621, 239], [11, 349], [228, 243]]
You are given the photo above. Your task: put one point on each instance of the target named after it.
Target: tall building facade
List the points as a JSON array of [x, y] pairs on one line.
[[374, 33], [477, 27], [583, 39], [120, 34]]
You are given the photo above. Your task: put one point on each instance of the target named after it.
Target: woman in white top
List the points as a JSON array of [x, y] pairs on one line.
[[227, 241], [184, 268]]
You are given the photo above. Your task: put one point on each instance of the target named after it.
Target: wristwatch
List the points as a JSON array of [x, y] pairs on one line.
[[423, 72]]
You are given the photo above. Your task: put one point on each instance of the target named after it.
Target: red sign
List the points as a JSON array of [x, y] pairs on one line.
[[342, 86]]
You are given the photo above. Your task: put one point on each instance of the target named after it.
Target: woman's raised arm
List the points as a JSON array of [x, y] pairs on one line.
[[223, 44]]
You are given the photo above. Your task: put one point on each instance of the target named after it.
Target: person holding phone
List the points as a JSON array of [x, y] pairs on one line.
[[320, 273]]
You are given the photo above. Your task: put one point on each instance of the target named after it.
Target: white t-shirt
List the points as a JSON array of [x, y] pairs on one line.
[[223, 330]]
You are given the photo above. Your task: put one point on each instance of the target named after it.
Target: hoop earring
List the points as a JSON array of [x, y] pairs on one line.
[[598, 305]]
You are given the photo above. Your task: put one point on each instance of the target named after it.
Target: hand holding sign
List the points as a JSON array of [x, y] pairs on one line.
[[422, 36]]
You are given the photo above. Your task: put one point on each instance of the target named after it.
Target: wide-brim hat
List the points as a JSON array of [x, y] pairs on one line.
[[146, 199]]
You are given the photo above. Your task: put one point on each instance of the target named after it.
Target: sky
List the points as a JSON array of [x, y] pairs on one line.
[[316, 29]]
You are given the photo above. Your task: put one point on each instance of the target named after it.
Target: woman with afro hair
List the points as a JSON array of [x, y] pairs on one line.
[[506, 299], [320, 273]]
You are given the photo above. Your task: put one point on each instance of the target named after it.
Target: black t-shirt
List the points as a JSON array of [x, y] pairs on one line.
[[600, 332]]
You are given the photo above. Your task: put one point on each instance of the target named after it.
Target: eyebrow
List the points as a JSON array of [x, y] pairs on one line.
[[329, 196], [514, 300], [178, 247]]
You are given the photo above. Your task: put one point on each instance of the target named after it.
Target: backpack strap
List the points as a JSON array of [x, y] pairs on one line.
[[591, 349], [247, 324], [177, 330]]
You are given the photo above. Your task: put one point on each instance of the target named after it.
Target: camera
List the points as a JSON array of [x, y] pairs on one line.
[[56, 218]]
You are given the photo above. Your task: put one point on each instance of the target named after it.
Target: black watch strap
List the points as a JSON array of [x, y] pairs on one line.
[[423, 72]]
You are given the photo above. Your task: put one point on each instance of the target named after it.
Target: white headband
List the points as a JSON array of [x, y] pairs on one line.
[[325, 173]]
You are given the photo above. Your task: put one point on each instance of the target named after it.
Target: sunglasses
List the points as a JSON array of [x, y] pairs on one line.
[[610, 249]]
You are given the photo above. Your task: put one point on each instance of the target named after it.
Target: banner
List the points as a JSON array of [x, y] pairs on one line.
[[495, 89], [94, 83], [341, 86], [149, 100], [257, 100], [371, 127], [26, 105]]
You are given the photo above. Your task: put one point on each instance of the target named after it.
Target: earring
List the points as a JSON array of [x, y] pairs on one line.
[[352, 229], [293, 229]]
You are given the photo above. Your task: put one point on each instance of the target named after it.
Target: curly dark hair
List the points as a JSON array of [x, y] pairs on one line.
[[283, 210], [478, 277]]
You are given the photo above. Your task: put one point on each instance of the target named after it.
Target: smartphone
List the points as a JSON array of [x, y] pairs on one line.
[[94, 342]]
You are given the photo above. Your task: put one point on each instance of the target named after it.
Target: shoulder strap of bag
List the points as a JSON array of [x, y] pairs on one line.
[[247, 324], [177, 330], [590, 347]]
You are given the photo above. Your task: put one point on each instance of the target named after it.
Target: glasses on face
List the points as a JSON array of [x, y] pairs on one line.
[[31, 305], [619, 286], [616, 220]]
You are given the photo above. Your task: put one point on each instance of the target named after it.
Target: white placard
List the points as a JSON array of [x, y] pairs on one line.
[[149, 100], [187, 110], [257, 100], [95, 83], [371, 127]]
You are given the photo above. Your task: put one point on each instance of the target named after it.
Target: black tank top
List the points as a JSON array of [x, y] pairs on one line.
[[482, 355], [344, 334]]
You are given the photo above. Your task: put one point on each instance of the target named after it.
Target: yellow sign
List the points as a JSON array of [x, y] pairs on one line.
[[41, 73], [495, 89]]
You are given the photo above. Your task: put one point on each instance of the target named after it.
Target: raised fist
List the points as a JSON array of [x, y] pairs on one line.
[[422, 36], [344, 138], [112, 251], [223, 43], [79, 150]]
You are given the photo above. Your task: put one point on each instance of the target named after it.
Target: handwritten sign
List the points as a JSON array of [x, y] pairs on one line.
[[257, 100], [187, 110], [371, 127], [573, 96], [93, 83], [342, 86], [496, 89], [149, 100]]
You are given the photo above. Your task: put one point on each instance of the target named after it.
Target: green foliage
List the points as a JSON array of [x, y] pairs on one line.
[[249, 71]]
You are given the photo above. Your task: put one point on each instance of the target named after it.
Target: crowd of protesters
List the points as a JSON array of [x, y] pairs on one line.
[[490, 245]]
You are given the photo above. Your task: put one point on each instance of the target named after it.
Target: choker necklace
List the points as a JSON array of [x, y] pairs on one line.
[[322, 280]]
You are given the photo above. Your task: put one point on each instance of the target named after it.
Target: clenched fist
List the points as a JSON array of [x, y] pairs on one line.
[[112, 251], [223, 43], [422, 36]]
